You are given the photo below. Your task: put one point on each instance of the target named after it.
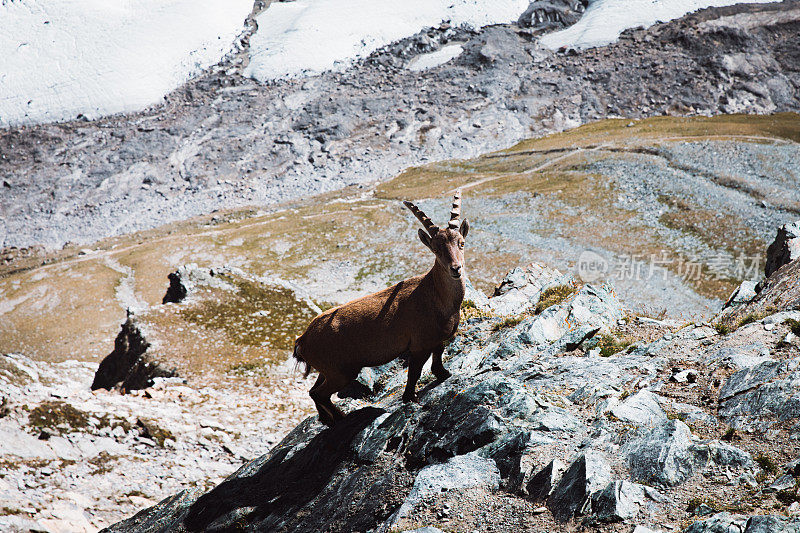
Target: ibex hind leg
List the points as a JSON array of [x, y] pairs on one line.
[[437, 367], [321, 392], [324, 415]]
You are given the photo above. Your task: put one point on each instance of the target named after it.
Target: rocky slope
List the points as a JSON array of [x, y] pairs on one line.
[[223, 140], [571, 415]]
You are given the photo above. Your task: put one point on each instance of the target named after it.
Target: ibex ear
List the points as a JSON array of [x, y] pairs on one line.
[[425, 238], [464, 229]]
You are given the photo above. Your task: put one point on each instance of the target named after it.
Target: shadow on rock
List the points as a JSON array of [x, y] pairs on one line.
[[282, 485]]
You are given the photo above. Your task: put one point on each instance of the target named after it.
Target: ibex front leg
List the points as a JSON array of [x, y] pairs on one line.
[[415, 363], [437, 367]]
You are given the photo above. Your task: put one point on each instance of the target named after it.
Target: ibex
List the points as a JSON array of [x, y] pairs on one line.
[[414, 317]]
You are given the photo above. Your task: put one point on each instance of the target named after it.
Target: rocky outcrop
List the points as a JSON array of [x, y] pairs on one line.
[[779, 290], [129, 366], [784, 249], [531, 412], [546, 15]]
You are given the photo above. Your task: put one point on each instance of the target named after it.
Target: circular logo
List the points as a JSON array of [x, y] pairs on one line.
[[591, 266]]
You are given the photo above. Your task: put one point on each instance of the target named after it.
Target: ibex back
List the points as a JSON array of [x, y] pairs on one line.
[[414, 317]]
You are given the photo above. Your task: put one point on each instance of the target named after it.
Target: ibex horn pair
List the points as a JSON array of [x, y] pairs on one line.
[[429, 226]]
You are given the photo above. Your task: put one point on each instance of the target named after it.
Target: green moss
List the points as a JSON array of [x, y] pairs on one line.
[[58, 416], [256, 315], [553, 296]]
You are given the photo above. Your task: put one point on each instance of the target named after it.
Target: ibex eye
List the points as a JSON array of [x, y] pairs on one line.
[[461, 245]]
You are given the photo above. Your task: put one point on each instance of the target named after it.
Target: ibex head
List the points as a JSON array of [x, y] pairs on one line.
[[448, 243]]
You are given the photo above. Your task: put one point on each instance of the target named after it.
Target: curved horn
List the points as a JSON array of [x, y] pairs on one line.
[[429, 226], [455, 211]]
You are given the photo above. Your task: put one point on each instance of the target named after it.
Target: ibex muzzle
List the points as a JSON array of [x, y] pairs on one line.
[[415, 316]]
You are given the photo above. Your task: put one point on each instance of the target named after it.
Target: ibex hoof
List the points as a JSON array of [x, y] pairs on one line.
[[443, 375], [409, 398]]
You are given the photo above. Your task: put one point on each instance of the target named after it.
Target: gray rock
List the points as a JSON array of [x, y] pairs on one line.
[[187, 279], [620, 500], [772, 524], [471, 294], [665, 455], [643, 408], [719, 523], [546, 15], [592, 309], [464, 471], [757, 397], [750, 378], [586, 475], [743, 294], [643, 529], [784, 482], [729, 523], [520, 290], [684, 376], [784, 249], [542, 483]]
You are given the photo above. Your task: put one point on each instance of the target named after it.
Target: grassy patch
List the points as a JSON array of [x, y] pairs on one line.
[[730, 435], [717, 506], [256, 315], [794, 326], [610, 345], [553, 296], [508, 322], [151, 430], [722, 328], [103, 463], [247, 367], [58, 416], [766, 464], [470, 310]]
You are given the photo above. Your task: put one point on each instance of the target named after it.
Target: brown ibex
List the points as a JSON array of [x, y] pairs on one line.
[[414, 317]]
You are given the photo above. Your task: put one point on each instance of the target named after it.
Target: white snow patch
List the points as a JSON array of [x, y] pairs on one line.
[[605, 20], [310, 37], [434, 59], [61, 58]]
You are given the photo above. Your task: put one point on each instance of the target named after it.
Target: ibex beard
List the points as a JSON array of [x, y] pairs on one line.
[[416, 317]]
